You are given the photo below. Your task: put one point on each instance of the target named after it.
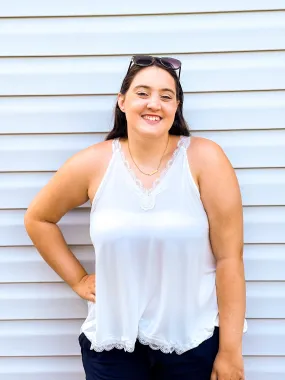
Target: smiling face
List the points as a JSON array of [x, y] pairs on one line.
[[150, 103]]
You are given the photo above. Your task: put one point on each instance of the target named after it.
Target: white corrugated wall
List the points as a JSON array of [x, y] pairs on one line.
[[61, 64]]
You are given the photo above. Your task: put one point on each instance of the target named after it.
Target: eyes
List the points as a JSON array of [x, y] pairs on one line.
[[145, 95]]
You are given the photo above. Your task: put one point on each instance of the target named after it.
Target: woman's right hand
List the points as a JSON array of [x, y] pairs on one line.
[[86, 287]]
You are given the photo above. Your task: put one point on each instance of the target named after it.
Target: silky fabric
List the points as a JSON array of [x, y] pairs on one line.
[[155, 269]]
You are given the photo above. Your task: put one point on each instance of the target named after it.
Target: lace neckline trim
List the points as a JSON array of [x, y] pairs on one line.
[[183, 141]]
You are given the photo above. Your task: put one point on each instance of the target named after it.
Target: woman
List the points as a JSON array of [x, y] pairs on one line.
[[166, 224]]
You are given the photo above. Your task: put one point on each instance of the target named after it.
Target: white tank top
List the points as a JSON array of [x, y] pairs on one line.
[[155, 270]]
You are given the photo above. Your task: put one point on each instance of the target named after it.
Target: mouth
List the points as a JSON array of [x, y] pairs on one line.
[[152, 119]]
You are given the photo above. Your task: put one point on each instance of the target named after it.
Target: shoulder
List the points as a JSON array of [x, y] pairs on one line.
[[206, 155], [89, 162], [216, 177], [209, 165], [93, 156], [97, 151], [205, 149]]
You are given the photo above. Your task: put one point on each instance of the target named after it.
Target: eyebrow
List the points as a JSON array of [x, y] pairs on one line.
[[149, 88]]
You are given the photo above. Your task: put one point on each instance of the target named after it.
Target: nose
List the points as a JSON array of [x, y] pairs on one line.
[[154, 103]]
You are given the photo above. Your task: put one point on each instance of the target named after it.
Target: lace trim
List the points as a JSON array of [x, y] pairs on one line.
[[154, 344], [168, 348], [183, 141], [127, 346]]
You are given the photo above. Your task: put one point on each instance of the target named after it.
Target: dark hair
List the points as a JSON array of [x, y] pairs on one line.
[[179, 126]]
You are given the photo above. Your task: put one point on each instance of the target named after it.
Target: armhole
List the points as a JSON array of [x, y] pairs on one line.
[[191, 179], [104, 178]]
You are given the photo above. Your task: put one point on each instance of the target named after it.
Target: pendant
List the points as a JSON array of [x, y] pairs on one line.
[[150, 174], [147, 201]]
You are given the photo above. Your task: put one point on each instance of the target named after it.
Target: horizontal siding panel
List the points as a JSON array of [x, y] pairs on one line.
[[264, 368], [259, 187], [18, 8], [248, 149], [40, 338], [40, 301], [128, 35], [103, 75], [59, 337], [49, 368], [19, 189], [24, 264], [265, 337], [62, 114], [245, 149], [77, 114], [262, 294], [262, 225], [263, 262], [58, 301]]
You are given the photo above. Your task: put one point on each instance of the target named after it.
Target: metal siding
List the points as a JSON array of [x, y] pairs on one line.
[[19, 8], [56, 97], [44, 368], [220, 32], [201, 73]]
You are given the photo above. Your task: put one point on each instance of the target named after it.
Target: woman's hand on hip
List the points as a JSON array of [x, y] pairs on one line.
[[228, 366], [86, 287]]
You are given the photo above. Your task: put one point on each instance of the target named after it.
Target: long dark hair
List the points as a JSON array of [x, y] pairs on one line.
[[179, 126]]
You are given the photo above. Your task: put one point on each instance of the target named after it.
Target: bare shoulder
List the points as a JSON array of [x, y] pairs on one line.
[[97, 158], [216, 177], [95, 154], [90, 161], [205, 156], [206, 152], [70, 185]]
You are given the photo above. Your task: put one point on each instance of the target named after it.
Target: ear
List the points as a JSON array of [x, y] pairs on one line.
[[121, 102]]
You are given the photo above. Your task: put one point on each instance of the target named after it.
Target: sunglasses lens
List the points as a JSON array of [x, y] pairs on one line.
[[143, 60], [171, 63]]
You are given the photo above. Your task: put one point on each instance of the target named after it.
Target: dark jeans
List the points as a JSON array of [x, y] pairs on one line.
[[148, 364]]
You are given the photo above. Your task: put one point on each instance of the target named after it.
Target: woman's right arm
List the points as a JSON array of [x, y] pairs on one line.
[[67, 189]]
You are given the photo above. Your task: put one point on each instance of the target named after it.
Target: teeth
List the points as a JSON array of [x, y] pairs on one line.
[[152, 118]]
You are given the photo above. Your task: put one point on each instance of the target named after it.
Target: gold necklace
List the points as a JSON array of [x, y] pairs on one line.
[[155, 171]]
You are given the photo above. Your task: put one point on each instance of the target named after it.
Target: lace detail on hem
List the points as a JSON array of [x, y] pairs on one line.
[[147, 197], [168, 348], [154, 344], [127, 346]]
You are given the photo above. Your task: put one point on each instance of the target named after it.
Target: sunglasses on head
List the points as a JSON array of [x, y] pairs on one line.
[[148, 60]]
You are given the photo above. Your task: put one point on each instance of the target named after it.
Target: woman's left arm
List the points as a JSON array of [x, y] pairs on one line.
[[221, 198]]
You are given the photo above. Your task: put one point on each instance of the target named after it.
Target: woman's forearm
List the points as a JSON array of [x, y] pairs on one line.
[[230, 285], [49, 241]]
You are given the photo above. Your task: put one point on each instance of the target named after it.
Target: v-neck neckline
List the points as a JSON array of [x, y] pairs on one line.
[[159, 179]]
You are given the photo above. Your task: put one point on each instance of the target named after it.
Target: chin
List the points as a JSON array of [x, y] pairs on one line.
[[151, 130]]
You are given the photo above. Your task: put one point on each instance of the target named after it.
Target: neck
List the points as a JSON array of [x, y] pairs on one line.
[[147, 152]]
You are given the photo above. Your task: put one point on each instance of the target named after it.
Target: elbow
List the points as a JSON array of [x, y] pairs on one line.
[[28, 220]]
